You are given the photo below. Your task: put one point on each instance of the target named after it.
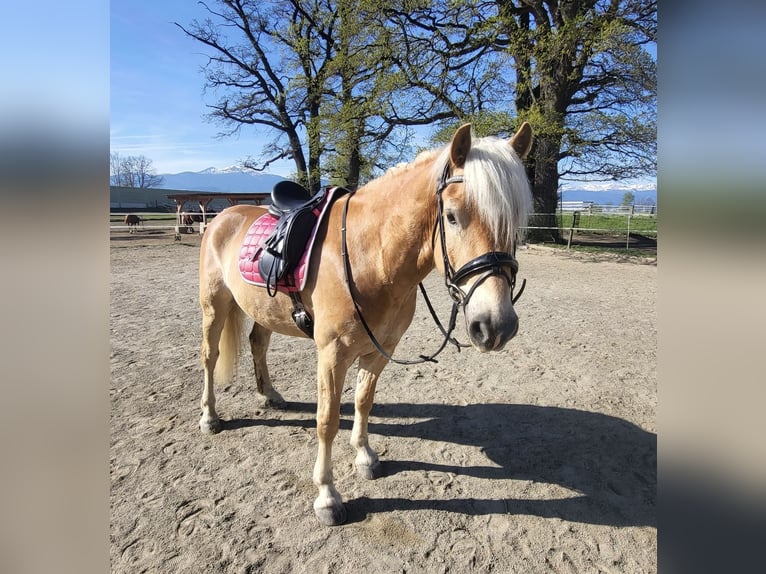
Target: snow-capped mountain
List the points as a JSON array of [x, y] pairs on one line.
[[228, 179], [230, 169], [609, 192], [612, 186]]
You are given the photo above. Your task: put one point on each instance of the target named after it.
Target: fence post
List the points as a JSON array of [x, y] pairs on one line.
[[575, 223], [630, 213]]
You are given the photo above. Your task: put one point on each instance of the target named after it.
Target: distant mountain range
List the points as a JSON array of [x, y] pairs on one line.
[[230, 179], [234, 179]]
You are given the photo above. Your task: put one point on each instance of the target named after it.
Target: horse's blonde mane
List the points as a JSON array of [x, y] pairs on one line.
[[496, 185], [421, 158]]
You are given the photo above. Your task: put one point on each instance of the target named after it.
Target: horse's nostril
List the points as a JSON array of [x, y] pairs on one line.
[[488, 336], [478, 330]]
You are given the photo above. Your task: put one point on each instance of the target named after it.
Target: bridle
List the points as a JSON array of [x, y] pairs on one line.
[[490, 264]]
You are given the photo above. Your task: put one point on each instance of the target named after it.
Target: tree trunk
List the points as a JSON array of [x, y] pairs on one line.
[[298, 158], [545, 189], [354, 168], [315, 149]]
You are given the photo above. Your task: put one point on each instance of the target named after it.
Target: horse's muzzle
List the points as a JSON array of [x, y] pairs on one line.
[[489, 334]]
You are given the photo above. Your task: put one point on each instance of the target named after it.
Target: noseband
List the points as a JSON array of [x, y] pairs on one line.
[[490, 264]]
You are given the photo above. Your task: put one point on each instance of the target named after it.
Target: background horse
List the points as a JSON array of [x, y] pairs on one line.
[[133, 221], [460, 208], [188, 219]]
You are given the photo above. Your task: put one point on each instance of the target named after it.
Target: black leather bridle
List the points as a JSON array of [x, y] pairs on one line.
[[490, 264]]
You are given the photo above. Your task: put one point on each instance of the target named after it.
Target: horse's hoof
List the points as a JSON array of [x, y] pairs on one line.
[[212, 426], [278, 403], [331, 515], [274, 401], [369, 471]]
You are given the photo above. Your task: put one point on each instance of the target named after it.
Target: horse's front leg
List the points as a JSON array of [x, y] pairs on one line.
[[370, 367], [331, 373]]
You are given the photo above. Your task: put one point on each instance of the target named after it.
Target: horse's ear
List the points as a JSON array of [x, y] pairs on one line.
[[521, 142], [461, 144]]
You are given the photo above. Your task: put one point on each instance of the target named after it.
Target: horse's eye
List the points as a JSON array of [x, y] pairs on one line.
[[451, 218]]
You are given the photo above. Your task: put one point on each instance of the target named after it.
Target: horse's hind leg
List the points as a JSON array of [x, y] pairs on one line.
[[259, 343], [221, 324], [212, 326], [366, 461]]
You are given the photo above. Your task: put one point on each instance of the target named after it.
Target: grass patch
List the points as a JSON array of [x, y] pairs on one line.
[[609, 223], [637, 252]]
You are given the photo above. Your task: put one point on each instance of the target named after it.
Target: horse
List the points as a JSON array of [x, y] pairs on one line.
[[188, 220], [460, 209], [133, 221]]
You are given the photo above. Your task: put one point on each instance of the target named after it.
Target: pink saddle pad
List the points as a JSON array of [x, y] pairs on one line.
[[260, 230]]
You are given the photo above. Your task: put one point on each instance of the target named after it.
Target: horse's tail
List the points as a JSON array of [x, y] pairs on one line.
[[229, 345]]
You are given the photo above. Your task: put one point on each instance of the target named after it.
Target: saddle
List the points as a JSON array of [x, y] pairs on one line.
[[297, 214], [277, 247]]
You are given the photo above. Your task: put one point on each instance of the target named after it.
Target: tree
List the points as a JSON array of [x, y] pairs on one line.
[[578, 71], [115, 169], [133, 171], [356, 115], [628, 198], [318, 74], [587, 84], [346, 80], [352, 107], [269, 66]]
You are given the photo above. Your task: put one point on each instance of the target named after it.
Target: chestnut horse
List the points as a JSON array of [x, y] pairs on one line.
[[459, 208], [133, 221]]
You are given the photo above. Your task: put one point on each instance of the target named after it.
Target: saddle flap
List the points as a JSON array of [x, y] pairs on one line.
[[271, 267], [284, 249]]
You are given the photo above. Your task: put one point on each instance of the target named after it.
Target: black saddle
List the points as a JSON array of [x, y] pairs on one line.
[[283, 249], [288, 196]]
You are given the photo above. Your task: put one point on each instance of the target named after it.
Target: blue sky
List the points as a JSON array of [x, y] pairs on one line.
[[157, 105], [156, 102]]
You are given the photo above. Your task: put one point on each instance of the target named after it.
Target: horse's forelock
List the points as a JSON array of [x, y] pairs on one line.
[[496, 184]]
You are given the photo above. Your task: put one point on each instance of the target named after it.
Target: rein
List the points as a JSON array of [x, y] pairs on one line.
[[489, 264], [422, 358]]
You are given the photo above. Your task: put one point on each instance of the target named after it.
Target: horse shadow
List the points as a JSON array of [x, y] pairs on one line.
[[608, 463]]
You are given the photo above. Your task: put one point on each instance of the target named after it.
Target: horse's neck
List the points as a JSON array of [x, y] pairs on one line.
[[398, 227]]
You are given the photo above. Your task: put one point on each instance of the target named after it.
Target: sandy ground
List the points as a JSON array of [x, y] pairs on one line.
[[540, 458]]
